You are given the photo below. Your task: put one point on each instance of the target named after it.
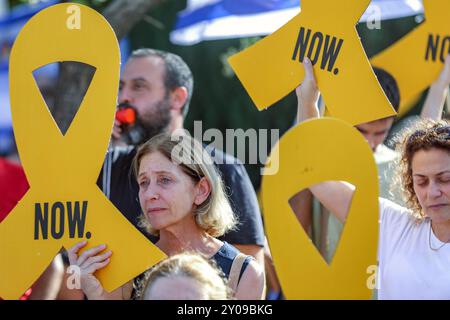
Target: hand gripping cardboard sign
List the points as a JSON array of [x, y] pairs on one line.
[[316, 151], [325, 32], [322, 149]]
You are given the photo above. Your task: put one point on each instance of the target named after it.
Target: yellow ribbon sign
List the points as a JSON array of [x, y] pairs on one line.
[[325, 32], [64, 204], [416, 60], [310, 153]]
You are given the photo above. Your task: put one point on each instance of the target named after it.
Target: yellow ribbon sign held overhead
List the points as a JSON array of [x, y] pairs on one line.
[[416, 60], [325, 32], [309, 156], [64, 205]]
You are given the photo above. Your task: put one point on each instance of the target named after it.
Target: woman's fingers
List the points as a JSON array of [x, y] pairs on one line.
[[89, 262], [90, 253], [308, 92], [308, 85], [73, 251], [97, 266], [309, 71], [96, 259]]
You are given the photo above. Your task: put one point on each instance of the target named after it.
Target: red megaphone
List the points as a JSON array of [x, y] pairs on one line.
[[126, 116]]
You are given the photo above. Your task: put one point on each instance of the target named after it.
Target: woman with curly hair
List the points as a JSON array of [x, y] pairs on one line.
[[414, 255], [414, 249]]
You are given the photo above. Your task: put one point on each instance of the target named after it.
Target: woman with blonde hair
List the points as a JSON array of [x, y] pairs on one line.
[[185, 276], [184, 203]]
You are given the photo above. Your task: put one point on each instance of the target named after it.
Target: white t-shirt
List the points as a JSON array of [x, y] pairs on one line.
[[408, 267]]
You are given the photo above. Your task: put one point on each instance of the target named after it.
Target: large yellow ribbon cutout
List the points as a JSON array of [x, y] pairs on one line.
[[321, 149], [416, 60], [316, 151], [64, 204], [325, 32]]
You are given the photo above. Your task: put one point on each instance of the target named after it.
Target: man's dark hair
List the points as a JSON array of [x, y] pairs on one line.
[[177, 72], [389, 86]]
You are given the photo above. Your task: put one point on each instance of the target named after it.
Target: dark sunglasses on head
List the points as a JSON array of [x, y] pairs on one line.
[[444, 131]]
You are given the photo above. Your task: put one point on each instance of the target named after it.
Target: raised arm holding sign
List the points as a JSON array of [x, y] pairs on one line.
[[324, 32], [416, 59], [413, 240]]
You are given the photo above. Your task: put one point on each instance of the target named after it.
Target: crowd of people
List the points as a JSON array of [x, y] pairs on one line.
[[205, 215]]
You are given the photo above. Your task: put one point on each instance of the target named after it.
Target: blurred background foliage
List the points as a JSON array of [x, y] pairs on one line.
[[219, 99]]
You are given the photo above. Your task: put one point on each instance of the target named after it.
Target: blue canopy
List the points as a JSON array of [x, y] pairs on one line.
[[221, 19]]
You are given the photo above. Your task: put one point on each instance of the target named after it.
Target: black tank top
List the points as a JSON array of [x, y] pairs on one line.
[[224, 259]]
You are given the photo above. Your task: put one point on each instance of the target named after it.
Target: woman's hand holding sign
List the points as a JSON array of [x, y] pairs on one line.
[[336, 196], [434, 103], [307, 94], [88, 263]]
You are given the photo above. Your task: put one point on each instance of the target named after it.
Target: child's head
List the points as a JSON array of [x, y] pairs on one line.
[[186, 276]]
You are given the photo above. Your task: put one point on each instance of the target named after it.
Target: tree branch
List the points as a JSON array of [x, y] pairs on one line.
[[74, 79]]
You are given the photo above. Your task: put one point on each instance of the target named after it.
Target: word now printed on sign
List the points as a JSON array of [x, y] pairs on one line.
[[64, 205], [416, 60], [52, 221], [325, 32], [269, 70]]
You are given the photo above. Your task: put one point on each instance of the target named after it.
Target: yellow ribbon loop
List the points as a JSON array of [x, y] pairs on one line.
[[325, 32], [79, 154], [416, 59], [64, 205], [309, 154]]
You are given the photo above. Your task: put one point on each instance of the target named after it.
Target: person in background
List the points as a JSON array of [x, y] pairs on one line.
[[413, 253], [185, 276], [327, 229], [158, 86], [13, 186]]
